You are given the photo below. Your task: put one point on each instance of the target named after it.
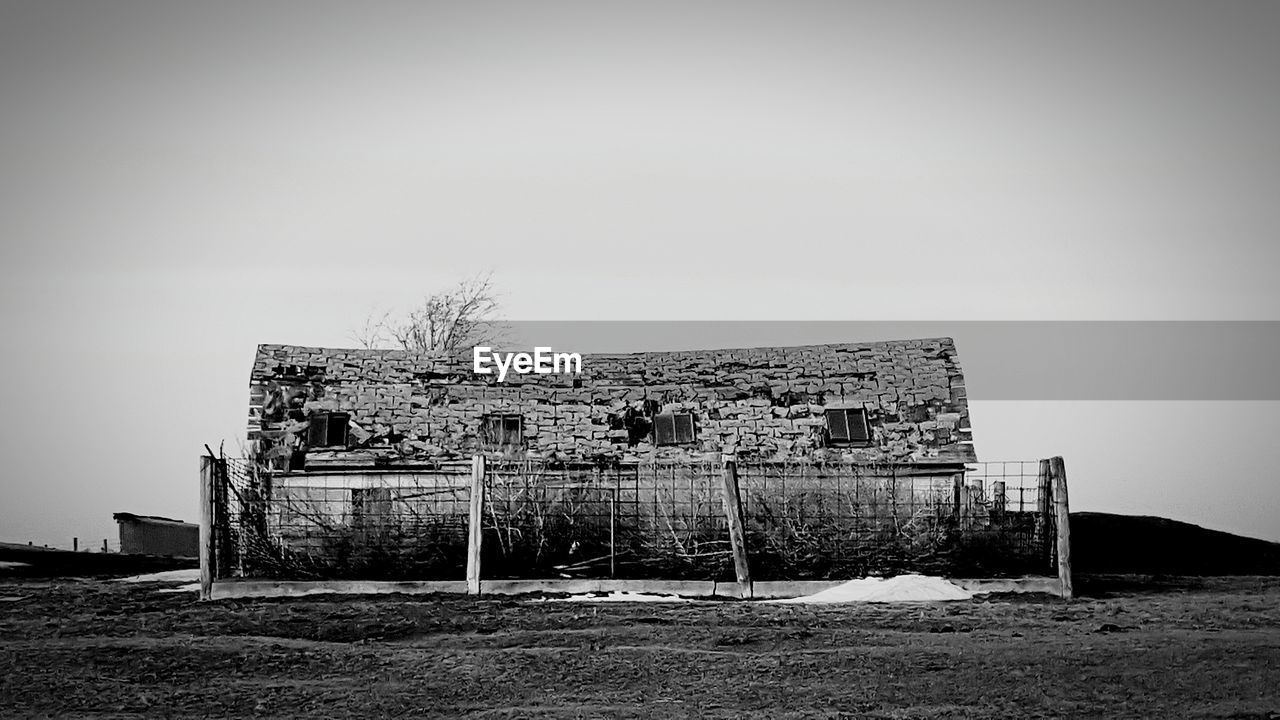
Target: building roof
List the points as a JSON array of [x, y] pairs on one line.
[[766, 400], [130, 517]]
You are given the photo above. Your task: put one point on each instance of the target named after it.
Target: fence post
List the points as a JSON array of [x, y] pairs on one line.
[[1058, 472], [206, 526], [732, 500], [1044, 508], [475, 532]]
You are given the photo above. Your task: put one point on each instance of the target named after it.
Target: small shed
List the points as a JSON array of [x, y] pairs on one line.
[[153, 535]]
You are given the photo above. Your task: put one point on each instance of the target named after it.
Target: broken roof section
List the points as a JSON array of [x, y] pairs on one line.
[[899, 401]]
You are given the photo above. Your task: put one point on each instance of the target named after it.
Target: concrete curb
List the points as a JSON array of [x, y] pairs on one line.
[[229, 589]]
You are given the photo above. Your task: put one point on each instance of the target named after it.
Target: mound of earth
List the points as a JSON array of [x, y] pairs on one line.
[[1107, 543]]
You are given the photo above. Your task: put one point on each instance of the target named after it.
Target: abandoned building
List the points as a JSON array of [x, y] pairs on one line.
[[779, 464], [843, 459], [154, 535]]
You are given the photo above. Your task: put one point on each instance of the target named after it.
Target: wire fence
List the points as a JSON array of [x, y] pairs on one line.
[[626, 521], [633, 521], [822, 521], [343, 525]]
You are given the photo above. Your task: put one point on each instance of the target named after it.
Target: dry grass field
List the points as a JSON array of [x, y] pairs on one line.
[[1133, 647]]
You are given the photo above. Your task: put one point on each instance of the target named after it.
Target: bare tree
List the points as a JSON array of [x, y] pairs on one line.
[[463, 316]]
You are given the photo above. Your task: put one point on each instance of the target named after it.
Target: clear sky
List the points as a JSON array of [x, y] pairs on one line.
[[181, 181]]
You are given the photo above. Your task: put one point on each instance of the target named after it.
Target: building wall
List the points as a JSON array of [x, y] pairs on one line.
[[763, 402], [145, 537]]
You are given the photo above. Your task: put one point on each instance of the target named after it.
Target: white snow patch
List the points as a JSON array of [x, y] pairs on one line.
[[11, 564], [619, 596], [168, 576], [902, 588]]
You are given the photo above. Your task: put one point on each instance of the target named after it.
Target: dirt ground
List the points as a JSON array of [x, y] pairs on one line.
[[1207, 648]]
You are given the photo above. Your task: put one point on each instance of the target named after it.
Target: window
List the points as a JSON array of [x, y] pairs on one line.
[[501, 430], [327, 429], [673, 429], [848, 427]]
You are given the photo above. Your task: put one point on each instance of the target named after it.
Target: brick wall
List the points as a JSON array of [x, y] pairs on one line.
[[762, 402]]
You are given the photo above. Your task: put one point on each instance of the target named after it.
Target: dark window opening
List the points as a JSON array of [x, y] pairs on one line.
[[501, 430], [370, 506], [673, 429], [361, 502], [848, 427], [327, 430]]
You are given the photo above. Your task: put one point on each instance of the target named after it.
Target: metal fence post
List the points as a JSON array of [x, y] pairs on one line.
[[475, 528]]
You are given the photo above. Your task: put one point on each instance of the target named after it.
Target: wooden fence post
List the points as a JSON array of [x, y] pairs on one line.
[[207, 464], [475, 530], [737, 539], [1058, 471]]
